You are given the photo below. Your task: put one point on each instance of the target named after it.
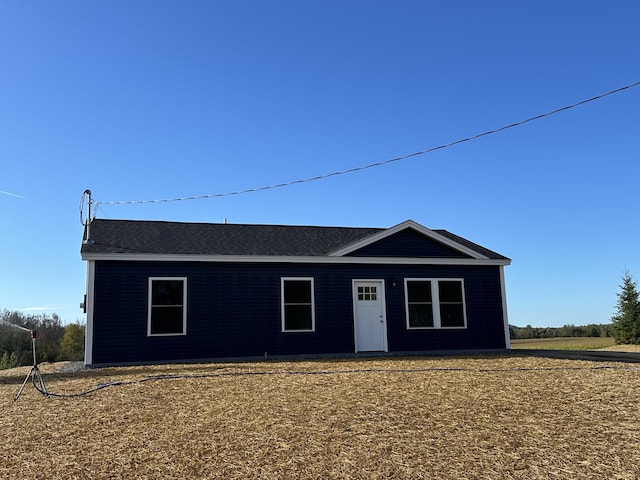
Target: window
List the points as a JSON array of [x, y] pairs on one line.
[[419, 304], [451, 303], [368, 293], [432, 303], [167, 306], [297, 305]]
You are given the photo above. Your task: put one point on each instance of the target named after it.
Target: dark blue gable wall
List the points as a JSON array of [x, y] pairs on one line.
[[407, 243], [233, 310]]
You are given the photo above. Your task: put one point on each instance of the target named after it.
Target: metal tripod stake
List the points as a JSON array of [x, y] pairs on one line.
[[34, 374]]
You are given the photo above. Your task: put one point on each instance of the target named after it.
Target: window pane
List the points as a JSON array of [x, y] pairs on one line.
[[419, 291], [297, 291], [298, 317], [165, 320], [450, 291], [452, 315], [420, 315], [167, 292]]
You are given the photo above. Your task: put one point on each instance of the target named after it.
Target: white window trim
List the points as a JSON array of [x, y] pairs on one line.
[[184, 307], [435, 303], [313, 303]]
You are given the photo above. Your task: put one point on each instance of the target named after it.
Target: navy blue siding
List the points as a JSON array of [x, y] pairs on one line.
[[407, 243], [234, 310]]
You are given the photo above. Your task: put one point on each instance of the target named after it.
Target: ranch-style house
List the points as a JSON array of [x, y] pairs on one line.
[[172, 291]]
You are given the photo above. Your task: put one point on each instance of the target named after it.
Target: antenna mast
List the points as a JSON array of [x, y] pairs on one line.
[[87, 222]]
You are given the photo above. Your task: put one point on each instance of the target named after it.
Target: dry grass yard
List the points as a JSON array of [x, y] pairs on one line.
[[568, 343], [437, 418]]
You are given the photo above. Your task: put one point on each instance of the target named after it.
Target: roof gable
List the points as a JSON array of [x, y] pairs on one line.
[[408, 243], [410, 239]]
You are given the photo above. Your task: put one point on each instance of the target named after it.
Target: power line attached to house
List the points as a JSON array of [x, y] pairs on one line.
[[376, 164]]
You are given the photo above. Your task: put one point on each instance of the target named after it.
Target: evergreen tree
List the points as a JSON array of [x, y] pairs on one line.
[[8, 360], [626, 321]]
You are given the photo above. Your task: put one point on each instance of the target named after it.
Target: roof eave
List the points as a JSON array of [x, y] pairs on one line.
[[149, 257]]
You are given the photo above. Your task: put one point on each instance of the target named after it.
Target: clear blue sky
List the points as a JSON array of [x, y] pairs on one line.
[[161, 99]]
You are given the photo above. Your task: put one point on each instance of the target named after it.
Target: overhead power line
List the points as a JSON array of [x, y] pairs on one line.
[[381, 163]]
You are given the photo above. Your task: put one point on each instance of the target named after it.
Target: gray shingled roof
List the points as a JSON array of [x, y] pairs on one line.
[[178, 238], [157, 237], [473, 246]]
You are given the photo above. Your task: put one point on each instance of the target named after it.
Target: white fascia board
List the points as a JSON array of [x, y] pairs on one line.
[[402, 226], [136, 257]]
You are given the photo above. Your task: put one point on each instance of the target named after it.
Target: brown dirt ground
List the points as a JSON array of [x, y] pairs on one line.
[[446, 418]]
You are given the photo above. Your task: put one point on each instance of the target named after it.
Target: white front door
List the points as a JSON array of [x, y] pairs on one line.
[[370, 322]]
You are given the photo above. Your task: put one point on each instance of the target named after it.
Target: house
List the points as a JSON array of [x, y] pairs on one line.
[[172, 292]]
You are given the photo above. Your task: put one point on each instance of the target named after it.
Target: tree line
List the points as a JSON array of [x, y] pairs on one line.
[[624, 326], [54, 341], [591, 330]]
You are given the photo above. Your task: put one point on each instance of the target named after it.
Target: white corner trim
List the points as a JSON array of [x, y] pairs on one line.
[[505, 315], [402, 226], [88, 335]]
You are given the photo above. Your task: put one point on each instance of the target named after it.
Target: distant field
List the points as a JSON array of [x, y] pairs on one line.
[[484, 417], [564, 343]]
